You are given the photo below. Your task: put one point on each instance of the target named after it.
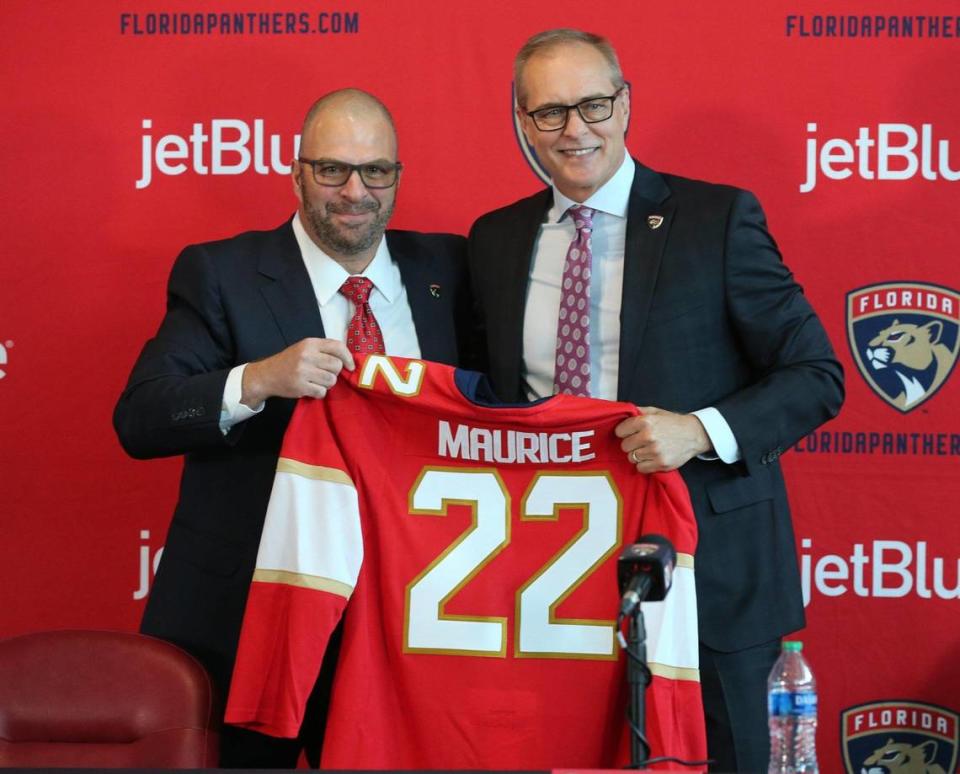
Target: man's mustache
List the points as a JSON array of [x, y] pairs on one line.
[[346, 208]]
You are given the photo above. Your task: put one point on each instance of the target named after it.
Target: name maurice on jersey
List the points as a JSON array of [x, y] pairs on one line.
[[481, 444]]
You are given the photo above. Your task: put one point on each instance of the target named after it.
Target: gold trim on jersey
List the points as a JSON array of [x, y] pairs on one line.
[[304, 581], [442, 511], [685, 560], [315, 472], [408, 387], [675, 673], [552, 618]]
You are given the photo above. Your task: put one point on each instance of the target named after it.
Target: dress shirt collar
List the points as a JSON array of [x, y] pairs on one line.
[[612, 197], [327, 275]]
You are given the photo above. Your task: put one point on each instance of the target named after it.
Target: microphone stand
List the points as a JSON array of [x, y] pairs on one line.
[[638, 678]]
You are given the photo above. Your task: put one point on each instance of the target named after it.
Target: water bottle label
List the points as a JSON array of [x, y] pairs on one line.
[[796, 704]]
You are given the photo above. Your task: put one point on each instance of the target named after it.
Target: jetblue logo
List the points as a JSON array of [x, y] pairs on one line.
[[148, 561], [225, 146], [887, 737], [903, 336], [883, 569], [887, 152]]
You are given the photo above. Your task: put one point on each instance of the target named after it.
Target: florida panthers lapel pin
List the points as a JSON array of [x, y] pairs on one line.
[[434, 290], [654, 221]]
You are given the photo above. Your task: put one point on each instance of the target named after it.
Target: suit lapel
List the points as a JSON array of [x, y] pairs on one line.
[[515, 260], [433, 336], [643, 253], [288, 290]]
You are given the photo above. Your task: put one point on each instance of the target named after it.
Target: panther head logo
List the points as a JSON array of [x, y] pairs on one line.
[[896, 736], [900, 758], [915, 355], [905, 339]]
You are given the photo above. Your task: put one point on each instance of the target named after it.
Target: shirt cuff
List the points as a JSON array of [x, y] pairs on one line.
[[721, 436], [232, 410]]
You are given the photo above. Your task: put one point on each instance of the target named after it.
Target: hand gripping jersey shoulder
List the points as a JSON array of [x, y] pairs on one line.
[[472, 549]]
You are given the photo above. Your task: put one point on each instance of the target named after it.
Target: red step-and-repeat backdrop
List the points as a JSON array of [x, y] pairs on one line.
[[131, 129]]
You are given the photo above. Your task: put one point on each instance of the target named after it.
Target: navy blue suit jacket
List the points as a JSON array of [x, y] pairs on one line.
[[710, 316], [232, 302]]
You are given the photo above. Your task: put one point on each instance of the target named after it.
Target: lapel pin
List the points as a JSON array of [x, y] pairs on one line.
[[434, 290], [654, 221]]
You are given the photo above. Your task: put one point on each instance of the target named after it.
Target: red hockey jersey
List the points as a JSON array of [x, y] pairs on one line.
[[473, 551]]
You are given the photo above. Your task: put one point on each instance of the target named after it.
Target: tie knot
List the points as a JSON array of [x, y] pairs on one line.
[[357, 289], [582, 216]]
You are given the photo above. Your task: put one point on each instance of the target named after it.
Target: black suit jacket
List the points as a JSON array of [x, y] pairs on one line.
[[232, 302], [710, 316]]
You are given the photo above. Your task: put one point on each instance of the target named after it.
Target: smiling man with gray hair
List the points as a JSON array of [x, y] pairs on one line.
[[623, 283]]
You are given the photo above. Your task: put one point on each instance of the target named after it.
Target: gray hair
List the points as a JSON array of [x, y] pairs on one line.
[[544, 41]]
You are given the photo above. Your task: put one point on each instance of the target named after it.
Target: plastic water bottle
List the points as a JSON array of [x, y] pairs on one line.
[[792, 707]]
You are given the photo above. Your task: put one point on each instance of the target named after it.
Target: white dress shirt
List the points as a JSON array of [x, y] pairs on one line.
[[609, 236], [388, 301]]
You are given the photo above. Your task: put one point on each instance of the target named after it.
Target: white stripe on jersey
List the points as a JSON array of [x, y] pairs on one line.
[[672, 627], [312, 528]]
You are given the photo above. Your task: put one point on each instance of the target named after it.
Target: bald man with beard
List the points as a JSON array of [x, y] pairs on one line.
[[253, 323]]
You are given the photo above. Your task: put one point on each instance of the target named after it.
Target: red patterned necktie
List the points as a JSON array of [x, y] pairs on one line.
[[572, 366], [363, 333]]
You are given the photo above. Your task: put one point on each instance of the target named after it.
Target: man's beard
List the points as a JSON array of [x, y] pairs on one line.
[[345, 240]]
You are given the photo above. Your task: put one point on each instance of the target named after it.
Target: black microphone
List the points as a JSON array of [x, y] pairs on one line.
[[645, 572]]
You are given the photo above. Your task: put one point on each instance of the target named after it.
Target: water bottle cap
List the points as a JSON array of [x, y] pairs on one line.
[[792, 646]]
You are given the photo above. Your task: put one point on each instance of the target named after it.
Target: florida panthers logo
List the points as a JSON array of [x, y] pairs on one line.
[[915, 355], [895, 758], [904, 339], [899, 737]]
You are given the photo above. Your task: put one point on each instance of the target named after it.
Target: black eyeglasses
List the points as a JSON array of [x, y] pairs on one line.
[[591, 111], [373, 174]]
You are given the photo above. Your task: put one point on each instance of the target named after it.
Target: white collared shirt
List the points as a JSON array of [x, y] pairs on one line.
[[609, 238], [606, 287], [388, 301]]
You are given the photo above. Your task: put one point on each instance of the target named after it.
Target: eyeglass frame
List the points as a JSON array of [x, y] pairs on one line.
[[568, 108], [397, 167]]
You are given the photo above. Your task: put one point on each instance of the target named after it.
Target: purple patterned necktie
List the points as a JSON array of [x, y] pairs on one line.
[[572, 366]]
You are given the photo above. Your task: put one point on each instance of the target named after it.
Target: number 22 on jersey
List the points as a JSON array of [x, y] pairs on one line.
[[537, 631]]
